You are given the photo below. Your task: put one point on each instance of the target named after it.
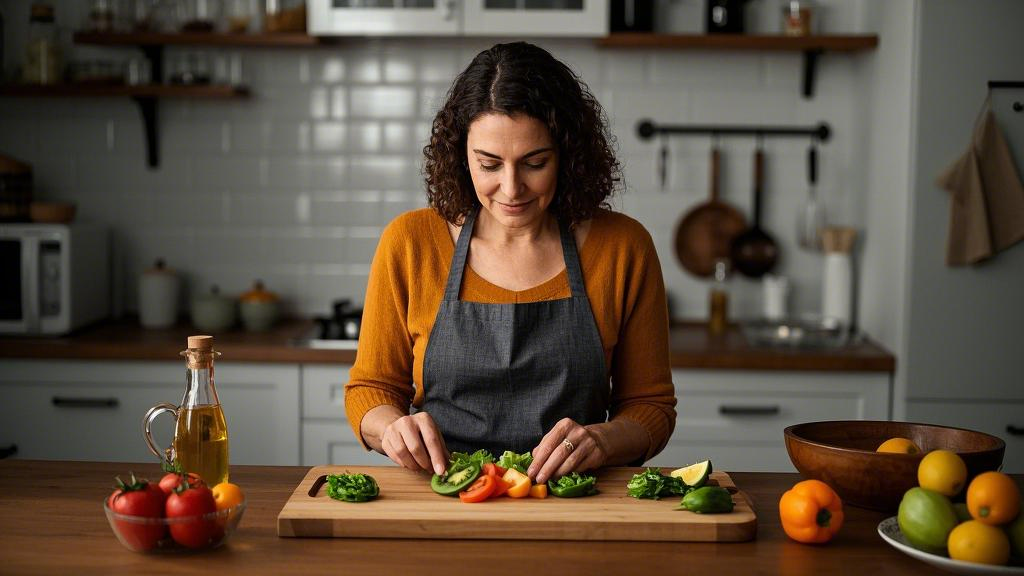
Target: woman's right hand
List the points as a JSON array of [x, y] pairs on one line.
[[411, 441]]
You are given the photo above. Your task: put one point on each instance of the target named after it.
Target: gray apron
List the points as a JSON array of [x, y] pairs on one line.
[[499, 376]]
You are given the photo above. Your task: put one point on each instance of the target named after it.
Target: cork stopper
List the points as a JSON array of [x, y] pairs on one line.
[[201, 342], [838, 239]]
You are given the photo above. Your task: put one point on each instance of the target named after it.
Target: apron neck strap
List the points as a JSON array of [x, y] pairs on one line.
[[458, 266]]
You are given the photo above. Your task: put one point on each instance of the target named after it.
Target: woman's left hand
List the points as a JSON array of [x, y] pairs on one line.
[[567, 447]]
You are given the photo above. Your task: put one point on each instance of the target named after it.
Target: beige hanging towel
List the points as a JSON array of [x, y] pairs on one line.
[[986, 208]]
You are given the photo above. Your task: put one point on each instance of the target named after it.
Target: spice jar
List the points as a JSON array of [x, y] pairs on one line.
[[42, 57], [284, 16], [796, 18]]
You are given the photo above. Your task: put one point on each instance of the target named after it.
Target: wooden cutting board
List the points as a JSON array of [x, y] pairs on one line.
[[408, 508]]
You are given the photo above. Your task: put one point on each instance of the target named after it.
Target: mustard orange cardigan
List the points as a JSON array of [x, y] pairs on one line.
[[623, 280]]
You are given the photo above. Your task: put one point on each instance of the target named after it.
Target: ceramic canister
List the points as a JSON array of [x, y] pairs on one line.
[[158, 296]]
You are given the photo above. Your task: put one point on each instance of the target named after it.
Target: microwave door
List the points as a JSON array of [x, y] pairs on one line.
[[19, 288]]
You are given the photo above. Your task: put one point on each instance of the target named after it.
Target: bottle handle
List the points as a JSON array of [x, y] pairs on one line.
[[147, 422]]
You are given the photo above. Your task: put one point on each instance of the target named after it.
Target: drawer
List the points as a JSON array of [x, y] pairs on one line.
[[323, 391], [1002, 419], [729, 408], [332, 442], [727, 457]]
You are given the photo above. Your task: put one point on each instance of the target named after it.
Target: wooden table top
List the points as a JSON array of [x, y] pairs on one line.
[[690, 346], [52, 522]]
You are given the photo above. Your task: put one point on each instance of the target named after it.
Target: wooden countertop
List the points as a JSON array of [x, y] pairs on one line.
[[52, 522], [691, 347]]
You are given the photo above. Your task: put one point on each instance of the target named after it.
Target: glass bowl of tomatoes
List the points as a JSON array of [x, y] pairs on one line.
[[178, 533]]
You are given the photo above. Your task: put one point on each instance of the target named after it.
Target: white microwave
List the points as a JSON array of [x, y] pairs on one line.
[[53, 277]]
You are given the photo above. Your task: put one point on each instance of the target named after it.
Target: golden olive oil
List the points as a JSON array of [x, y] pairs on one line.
[[201, 442]]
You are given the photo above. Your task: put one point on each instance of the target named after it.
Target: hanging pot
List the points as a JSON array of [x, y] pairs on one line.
[[754, 252], [706, 232]]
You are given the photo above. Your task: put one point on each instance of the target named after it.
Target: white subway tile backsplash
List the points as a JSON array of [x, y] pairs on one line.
[[329, 137], [327, 68], [400, 137], [383, 102], [365, 68], [284, 136], [399, 67], [380, 172], [339, 103], [217, 172], [366, 136]]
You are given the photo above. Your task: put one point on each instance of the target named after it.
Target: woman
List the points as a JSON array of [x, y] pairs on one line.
[[485, 326]]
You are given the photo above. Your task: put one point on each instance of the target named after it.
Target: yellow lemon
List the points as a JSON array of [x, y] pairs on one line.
[[942, 471], [898, 446], [973, 541]]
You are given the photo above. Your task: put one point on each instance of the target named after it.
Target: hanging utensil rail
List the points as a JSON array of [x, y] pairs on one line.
[[646, 129]]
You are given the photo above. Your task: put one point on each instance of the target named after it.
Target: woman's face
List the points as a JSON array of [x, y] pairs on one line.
[[514, 166]]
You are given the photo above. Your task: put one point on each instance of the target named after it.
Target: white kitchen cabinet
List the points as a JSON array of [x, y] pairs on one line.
[[92, 410], [1003, 419], [537, 18], [736, 418], [327, 437], [384, 17], [577, 18]]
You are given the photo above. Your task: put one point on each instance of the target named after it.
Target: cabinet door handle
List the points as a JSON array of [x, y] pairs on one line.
[[65, 402], [726, 410], [1014, 430]]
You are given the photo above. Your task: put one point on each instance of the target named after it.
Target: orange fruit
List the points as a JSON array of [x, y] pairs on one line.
[[227, 495], [974, 541], [993, 498], [942, 471], [898, 446]]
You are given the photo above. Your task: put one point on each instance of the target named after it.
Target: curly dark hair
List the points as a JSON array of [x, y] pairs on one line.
[[520, 78]]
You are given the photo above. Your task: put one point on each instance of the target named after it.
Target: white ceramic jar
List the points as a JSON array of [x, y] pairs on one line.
[[158, 296]]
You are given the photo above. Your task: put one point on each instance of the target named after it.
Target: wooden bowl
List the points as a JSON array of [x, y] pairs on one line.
[[52, 212], [842, 454]]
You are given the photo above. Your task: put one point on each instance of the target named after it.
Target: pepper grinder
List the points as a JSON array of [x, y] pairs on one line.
[[836, 299]]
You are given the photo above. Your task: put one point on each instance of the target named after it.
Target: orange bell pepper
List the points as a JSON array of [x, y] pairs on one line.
[[811, 512], [539, 491], [520, 483]]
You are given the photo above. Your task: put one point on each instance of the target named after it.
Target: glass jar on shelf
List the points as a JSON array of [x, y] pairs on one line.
[[199, 15], [797, 16], [238, 14], [718, 298], [43, 61], [284, 16]]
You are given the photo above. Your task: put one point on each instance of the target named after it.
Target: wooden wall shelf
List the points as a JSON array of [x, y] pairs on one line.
[[276, 40], [810, 46]]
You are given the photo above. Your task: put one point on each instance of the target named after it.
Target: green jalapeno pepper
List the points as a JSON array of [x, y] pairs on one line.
[[573, 485]]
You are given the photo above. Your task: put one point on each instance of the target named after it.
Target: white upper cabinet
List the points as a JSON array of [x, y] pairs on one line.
[[384, 17], [577, 18]]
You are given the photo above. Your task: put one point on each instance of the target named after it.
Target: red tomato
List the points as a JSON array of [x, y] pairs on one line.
[[171, 480], [500, 487], [479, 490], [192, 502], [138, 498]]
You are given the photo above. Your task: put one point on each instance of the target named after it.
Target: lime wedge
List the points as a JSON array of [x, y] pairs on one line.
[[694, 475]]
